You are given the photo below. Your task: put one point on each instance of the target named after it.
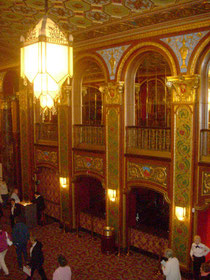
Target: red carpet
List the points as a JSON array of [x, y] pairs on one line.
[[84, 257]]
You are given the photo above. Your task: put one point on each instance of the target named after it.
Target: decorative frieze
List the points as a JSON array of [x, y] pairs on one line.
[[88, 163], [50, 157], [151, 173]]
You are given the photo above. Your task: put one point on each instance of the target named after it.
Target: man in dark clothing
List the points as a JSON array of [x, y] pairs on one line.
[[15, 211], [20, 236], [39, 201], [37, 258]]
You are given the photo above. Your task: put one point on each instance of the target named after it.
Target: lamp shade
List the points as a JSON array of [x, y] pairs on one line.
[[46, 58]]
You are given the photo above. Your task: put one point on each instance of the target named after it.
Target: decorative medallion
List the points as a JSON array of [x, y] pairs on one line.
[[88, 163], [139, 5], [152, 173]]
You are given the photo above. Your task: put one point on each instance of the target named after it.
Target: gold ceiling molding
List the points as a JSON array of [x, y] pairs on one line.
[[140, 33], [197, 54], [147, 44]]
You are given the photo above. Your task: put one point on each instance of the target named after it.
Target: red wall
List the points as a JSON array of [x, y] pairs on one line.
[[204, 228]]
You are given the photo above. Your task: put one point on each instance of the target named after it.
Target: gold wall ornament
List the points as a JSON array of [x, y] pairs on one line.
[[205, 190], [113, 92], [88, 163], [184, 87], [184, 52], [152, 173]]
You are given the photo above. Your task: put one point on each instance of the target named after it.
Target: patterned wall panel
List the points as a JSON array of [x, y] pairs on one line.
[[50, 189]]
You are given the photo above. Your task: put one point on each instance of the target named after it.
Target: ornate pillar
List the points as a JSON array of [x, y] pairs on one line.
[[26, 138], [7, 143], [65, 148], [16, 139], [184, 93], [114, 142]]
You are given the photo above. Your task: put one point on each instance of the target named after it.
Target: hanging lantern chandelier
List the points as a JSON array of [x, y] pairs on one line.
[[46, 60]]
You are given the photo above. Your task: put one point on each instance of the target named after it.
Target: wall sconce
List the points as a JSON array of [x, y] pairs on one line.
[[112, 194], [180, 213], [63, 182]]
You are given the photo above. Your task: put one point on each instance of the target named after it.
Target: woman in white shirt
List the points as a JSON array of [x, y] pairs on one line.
[[171, 267]]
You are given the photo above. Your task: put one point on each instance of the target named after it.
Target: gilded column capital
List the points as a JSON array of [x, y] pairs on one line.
[[113, 92], [65, 98], [184, 87]]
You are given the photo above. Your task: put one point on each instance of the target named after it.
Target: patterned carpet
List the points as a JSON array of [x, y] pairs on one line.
[[84, 257]]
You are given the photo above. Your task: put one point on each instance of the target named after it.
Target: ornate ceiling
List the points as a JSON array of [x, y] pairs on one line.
[[93, 20]]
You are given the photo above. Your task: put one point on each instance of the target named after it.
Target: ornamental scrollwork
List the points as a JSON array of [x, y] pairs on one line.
[[206, 183], [47, 156], [156, 174], [88, 163], [184, 87], [113, 92]]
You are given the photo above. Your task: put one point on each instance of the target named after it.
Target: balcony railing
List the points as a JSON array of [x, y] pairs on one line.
[[205, 145], [148, 139], [46, 133], [90, 137]]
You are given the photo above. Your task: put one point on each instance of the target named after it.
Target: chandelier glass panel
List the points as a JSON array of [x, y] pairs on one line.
[[46, 60]]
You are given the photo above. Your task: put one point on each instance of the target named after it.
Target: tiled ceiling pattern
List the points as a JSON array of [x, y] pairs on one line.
[[89, 19]]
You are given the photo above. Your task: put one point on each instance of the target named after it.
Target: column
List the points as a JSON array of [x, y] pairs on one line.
[[65, 155], [113, 95], [26, 138], [183, 114]]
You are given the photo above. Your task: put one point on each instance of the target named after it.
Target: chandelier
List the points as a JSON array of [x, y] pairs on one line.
[[46, 60]]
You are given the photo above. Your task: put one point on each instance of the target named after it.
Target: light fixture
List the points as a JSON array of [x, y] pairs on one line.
[[112, 194], [63, 182], [180, 212], [46, 59]]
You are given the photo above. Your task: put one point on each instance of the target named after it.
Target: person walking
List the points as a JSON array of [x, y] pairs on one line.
[[198, 252], [171, 267], [36, 258], [20, 236], [4, 240], [63, 272]]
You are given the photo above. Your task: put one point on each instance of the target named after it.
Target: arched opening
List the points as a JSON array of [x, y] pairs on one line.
[[88, 102], [91, 204], [148, 219], [152, 98]]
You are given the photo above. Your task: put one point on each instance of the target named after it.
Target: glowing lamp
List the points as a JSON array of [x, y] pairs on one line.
[[46, 58], [63, 182], [112, 194], [180, 213]]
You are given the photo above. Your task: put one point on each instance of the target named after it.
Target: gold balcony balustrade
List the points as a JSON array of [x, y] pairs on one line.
[[148, 141], [205, 145], [89, 137], [46, 134]]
